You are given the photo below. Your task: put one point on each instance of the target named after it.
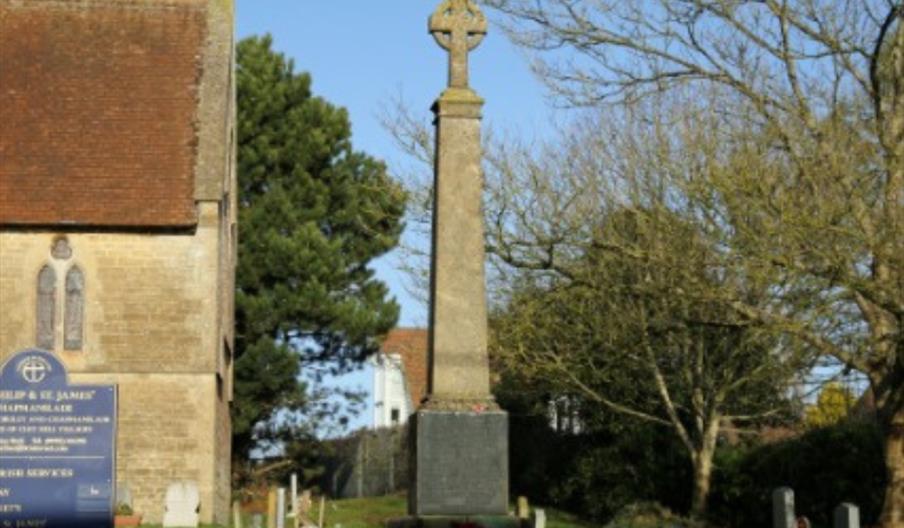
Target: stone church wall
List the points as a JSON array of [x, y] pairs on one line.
[[153, 325], [123, 160]]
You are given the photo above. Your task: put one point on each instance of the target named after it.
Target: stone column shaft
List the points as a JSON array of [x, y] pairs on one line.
[[459, 369]]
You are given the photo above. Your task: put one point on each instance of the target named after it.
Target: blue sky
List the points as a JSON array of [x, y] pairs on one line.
[[363, 54]]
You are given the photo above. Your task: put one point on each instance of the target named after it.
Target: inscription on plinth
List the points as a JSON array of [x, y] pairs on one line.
[[57, 446], [461, 463]]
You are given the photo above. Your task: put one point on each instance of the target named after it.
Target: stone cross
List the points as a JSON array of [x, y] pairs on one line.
[[783, 508], [847, 516], [458, 27]]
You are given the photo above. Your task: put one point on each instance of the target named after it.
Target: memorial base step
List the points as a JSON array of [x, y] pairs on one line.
[[441, 521]]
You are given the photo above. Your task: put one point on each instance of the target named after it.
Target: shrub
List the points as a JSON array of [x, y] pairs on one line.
[[824, 467], [597, 473], [649, 515]]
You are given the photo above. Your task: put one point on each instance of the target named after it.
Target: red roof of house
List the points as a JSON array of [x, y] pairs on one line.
[[98, 103], [411, 345]]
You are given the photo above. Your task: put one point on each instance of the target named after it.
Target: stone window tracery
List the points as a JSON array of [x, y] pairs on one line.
[[51, 305]]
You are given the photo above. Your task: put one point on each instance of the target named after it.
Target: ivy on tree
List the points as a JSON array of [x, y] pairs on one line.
[[313, 212]]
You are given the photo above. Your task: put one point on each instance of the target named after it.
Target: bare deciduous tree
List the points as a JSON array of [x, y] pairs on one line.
[[818, 89]]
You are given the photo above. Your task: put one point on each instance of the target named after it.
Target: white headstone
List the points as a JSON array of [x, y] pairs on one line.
[[847, 516], [783, 508], [523, 511], [281, 508], [123, 494], [539, 518], [181, 506], [293, 504], [305, 502], [236, 515]]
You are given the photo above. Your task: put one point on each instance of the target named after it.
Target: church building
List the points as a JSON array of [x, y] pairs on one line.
[[117, 222]]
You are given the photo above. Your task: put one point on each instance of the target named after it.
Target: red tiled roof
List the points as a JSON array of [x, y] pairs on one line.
[[98, 102], [411, 345]]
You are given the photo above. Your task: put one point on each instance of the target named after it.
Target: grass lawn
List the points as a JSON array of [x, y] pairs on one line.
[[374, 512], [200, 526]]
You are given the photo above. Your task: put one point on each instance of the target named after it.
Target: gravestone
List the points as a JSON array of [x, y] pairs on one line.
[[57, 446], [847, 516], [539, 518], [305, 502], [181, 507], [271, 508], [293, 486], [123, 494], [783, 508], [236, 514], [523, 511], [281, 508]]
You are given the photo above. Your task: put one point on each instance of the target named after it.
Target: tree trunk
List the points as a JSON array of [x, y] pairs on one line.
[[703, 469], [893, 508], [703, 466], [891, 404]]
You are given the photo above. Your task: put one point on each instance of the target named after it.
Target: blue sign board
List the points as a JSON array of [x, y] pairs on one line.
[[57, 446]]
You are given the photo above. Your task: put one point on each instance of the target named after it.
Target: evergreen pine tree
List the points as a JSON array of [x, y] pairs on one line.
[[313, 212]]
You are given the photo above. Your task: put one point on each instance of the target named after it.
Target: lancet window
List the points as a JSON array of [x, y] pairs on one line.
[[46, 308], [74, 309]]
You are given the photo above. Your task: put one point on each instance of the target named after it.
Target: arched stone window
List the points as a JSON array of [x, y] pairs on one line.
[[75, 309], [46, 308]]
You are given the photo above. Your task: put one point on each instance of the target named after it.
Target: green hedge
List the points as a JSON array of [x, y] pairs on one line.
[[825, 467], [597, 474]]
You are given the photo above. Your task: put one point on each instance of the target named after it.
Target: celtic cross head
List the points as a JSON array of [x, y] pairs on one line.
[[458, 27]]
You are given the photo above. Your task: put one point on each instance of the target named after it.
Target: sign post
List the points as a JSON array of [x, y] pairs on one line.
[[57, 446]]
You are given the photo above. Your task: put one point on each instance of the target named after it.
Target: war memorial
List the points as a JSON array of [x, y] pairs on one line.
[[459, 434]]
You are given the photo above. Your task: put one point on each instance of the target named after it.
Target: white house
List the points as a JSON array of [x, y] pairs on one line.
[[400, 376]]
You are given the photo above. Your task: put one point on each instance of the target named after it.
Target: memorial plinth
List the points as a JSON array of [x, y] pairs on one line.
[[459, 435], [460, 464]]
